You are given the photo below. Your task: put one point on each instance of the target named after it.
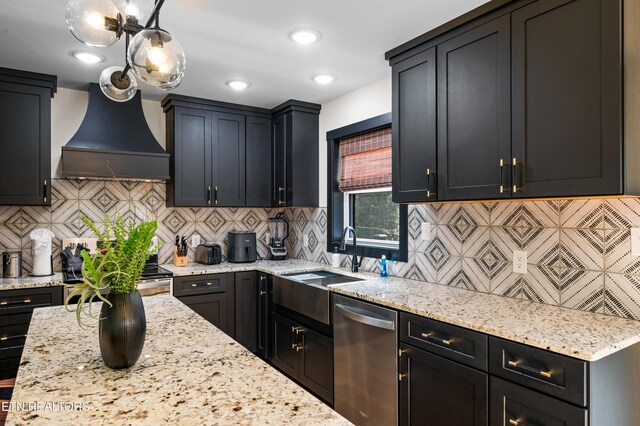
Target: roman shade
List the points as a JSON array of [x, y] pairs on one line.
[[365, 161]]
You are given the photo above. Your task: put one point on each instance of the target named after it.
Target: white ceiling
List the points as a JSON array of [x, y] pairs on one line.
[[239, 39]]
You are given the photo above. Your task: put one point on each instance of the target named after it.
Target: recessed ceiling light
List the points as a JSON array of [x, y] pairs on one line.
[[88, 57], [238, 84], [323, 78], [304, 36]]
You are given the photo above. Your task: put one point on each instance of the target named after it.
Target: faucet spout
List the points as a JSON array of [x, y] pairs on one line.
[[355, 263]]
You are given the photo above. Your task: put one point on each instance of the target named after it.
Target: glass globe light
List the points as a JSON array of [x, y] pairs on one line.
[[96, 23], [115, 88], [157, 58], [140, 9]]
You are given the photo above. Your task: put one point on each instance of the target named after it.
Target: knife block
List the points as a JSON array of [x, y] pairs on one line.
[[179, 260]]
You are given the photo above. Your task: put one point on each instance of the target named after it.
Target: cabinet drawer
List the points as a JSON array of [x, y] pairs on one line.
[[9, 368], [12, 335], [8, 352], [550, 373], [513, 405], [456, 343], [200, 284], [25, 301]]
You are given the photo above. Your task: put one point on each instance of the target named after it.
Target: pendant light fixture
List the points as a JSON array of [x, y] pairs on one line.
[[152, 54]]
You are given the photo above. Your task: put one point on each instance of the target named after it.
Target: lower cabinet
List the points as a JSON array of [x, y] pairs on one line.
[[516, 405], [303, 354], [264, 315], [246, 321], [16, 308], [210, 296]]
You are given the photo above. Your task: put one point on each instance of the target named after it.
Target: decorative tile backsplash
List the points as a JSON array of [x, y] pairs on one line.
[[134, 200], [579, 251]]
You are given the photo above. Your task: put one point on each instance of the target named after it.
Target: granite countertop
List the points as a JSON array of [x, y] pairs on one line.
[[31, 282], [273, 267], [190, 373]]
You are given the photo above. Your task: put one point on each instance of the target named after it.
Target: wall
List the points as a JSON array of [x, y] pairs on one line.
[[366, 102], [67, 111]]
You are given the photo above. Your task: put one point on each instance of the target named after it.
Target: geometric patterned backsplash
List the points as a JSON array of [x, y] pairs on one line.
[[579, 251]]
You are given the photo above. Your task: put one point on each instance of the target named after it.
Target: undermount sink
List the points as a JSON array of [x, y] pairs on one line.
[[307, 293]]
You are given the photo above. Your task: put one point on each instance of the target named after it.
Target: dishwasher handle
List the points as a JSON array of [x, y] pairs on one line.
[[364, 319]]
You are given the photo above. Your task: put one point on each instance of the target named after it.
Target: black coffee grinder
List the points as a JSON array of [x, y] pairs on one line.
[[279, 230]]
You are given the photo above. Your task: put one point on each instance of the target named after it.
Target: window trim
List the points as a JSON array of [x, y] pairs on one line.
[[335, 197]]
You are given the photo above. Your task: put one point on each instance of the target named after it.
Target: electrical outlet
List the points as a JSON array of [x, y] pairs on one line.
[[635, 241], [425, 231], [305, 240], [520, 262], [195, 240]]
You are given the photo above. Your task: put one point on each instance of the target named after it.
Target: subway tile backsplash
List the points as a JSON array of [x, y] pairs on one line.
[[579, 251]]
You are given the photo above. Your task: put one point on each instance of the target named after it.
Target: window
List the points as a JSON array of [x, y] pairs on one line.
[[359, 173], [374, 216]]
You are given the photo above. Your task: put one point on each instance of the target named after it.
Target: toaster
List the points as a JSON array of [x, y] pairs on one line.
[[209, 254]]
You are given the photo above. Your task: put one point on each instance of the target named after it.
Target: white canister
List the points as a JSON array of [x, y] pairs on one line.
[[42, 262], [335, 260]]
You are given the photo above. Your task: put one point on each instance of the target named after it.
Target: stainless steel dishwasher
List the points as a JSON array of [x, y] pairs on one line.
[[365, 349]]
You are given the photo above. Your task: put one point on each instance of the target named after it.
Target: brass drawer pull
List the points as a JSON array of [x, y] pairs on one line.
[[542, 373], [501, 176], [262, 292], [201, 284], [430, 193], [515, 422], [402, 376], [5, 338], [13, 302], [443, 341]]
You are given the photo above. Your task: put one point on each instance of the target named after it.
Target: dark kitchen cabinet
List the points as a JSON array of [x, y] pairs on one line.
[[228, 164], [190, 146], [295, 154], [259, 163], [303, 354], [414, 128], [264, 315], [529, 103], [210, 296], [16, 308], [246, 288], [439, 392], [567, 99], [25, 144], [474, 109]]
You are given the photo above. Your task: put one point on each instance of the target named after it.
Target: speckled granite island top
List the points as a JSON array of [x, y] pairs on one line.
[[190, 373], [31, 282]]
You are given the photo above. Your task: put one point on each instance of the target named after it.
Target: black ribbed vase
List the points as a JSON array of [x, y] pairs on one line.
[[122, 329]]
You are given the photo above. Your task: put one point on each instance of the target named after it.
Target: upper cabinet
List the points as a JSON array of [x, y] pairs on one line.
[[528, 104], [25, 141], [295, 154], [228, 155]]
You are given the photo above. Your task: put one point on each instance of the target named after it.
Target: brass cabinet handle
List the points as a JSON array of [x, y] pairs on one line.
[[215, 195], [14, 302], [542, 373], [20, 336], [201, 284], [501, 176], [514, 175], [402, 376], [45, 191], [515, 422], [209, 195], [280, 197], [262, 292], [430, 193], [431, 336], [295, 331]]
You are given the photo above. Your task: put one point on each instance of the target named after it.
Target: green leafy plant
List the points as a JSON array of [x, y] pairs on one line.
[[117, 267]]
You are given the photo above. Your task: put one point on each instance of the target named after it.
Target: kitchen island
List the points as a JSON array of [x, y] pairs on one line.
[[189, 373]]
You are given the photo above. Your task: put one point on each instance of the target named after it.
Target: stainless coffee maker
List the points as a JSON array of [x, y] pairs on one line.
[[279, 230], [11, 264]]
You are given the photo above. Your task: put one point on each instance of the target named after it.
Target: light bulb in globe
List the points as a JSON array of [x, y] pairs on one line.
[[96, 23]]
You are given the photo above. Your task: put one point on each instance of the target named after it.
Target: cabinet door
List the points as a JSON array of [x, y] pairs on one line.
[[192, 158], [25, 145], [414, 128], [284, 355], [515, 405], [258, 162], [215, 308], [474, 113], [228, 146], [316, 363], [438, 392], [264, 314], [247, 310], [279, 193], [567, 98]]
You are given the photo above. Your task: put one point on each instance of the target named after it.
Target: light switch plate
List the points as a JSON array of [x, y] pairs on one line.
[[425, 231], [635, 241], [520, 262], [305, 240], [195, 240]]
